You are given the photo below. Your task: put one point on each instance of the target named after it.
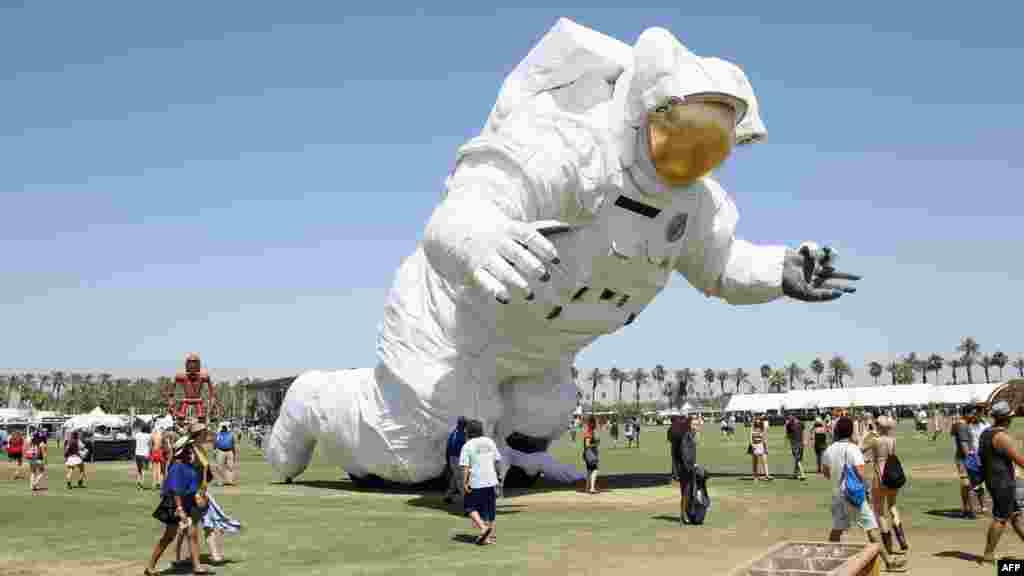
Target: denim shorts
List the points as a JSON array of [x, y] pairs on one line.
[[844, 514]]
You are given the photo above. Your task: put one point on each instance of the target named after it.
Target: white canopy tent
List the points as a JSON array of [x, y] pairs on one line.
[[95, 418], [906, 395]]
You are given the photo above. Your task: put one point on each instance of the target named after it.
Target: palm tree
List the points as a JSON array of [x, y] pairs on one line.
[[595, 377], [616, 375], [640, 377], [28, 380], [5, 388], [808, 382], [683, 379], [1019, 365], [722, 376], [838, 366], [766, 372], [659, 375], [954, 366], [986, 363], [935, 364], [818, 367], [893, 369], [912, 361], [968, 363], [574, 372], [999, 359], [969, 348], [777, 380], [741, 376], [875, 370], [794, 373], [709, 379], [58, 384], [106, 389]]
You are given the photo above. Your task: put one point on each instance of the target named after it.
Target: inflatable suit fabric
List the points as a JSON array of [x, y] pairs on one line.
[[562, 153]]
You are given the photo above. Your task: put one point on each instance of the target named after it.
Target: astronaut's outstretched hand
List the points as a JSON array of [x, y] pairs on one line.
[[809, 274], [507, 254], [545, 463]]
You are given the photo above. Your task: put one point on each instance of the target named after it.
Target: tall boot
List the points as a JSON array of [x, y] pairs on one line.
[[901, 538], [892, 563], [213, 540], [887, 541]]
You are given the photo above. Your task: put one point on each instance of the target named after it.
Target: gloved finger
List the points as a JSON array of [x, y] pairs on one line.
[[491, 285], [832, 273], [834, 286], [821, 294], [506, 274], [535, 242], [523, 261]]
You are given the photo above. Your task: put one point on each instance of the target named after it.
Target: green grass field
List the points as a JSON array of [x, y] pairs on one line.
[[323, 525]]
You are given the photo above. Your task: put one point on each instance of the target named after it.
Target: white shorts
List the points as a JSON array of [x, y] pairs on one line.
[[73, 461], [843, 511]]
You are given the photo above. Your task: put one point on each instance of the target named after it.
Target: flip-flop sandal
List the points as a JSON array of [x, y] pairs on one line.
[[148, 572], [482, 538]]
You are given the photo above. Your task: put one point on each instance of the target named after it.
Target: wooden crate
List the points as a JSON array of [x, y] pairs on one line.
[[793, 558]]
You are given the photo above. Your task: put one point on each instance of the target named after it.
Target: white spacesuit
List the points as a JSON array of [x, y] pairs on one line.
[[555, 230]]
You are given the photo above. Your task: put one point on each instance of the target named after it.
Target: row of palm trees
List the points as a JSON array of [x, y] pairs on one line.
[[74, 392], [792, 376]]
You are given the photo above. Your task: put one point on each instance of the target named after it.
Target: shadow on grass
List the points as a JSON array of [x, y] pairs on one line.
[[465, 539], [605, 483], [667, 518], [957, 555], [954, 513], [434, 502]]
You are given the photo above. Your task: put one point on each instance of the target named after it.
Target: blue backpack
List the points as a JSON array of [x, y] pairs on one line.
[[852, 485], [225, 441]]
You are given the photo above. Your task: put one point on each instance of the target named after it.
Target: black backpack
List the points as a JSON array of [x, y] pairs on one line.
[[700, 501], [893, 477]]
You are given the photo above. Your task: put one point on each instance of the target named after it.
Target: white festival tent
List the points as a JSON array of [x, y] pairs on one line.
[[906, 395], [95, 418]]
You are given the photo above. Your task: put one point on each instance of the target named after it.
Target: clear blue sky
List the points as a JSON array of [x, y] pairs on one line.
[[242, 179]]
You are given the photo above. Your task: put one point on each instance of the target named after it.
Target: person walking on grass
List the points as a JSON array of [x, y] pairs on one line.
[[684, 459], [456, 440], [960, 431], [226, 452], [73, 459], [613, 431], [157, 458], [877, 448], [142, 452], [627, 428], [795, 434], [998, 454], [36, 455], [591, 453], [479, 462], [845, 454], [820, 440], [758, 449], [16, 453], [183, 499]]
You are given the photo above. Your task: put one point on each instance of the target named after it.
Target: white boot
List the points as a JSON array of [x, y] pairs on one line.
[[214, 540]]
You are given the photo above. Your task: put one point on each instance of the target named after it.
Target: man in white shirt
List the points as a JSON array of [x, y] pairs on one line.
[[142, 441], [838, 455], [479, 461]]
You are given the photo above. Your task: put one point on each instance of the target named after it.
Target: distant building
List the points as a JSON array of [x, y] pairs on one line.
[[269, 394]]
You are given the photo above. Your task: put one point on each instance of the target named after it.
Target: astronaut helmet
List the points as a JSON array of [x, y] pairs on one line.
[[751, 128], [670, 143]]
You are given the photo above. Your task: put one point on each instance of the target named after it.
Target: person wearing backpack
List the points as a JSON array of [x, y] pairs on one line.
[[845, 468], [999, 454], [886, 480], [227, 454]]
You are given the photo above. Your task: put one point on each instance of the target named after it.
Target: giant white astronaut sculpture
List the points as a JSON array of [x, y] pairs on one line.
[[560, 223]]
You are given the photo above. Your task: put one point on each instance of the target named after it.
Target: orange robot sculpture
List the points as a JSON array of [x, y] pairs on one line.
[[191, 381]]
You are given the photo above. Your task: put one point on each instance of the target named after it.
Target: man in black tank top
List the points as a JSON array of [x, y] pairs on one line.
[[998, 456]]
